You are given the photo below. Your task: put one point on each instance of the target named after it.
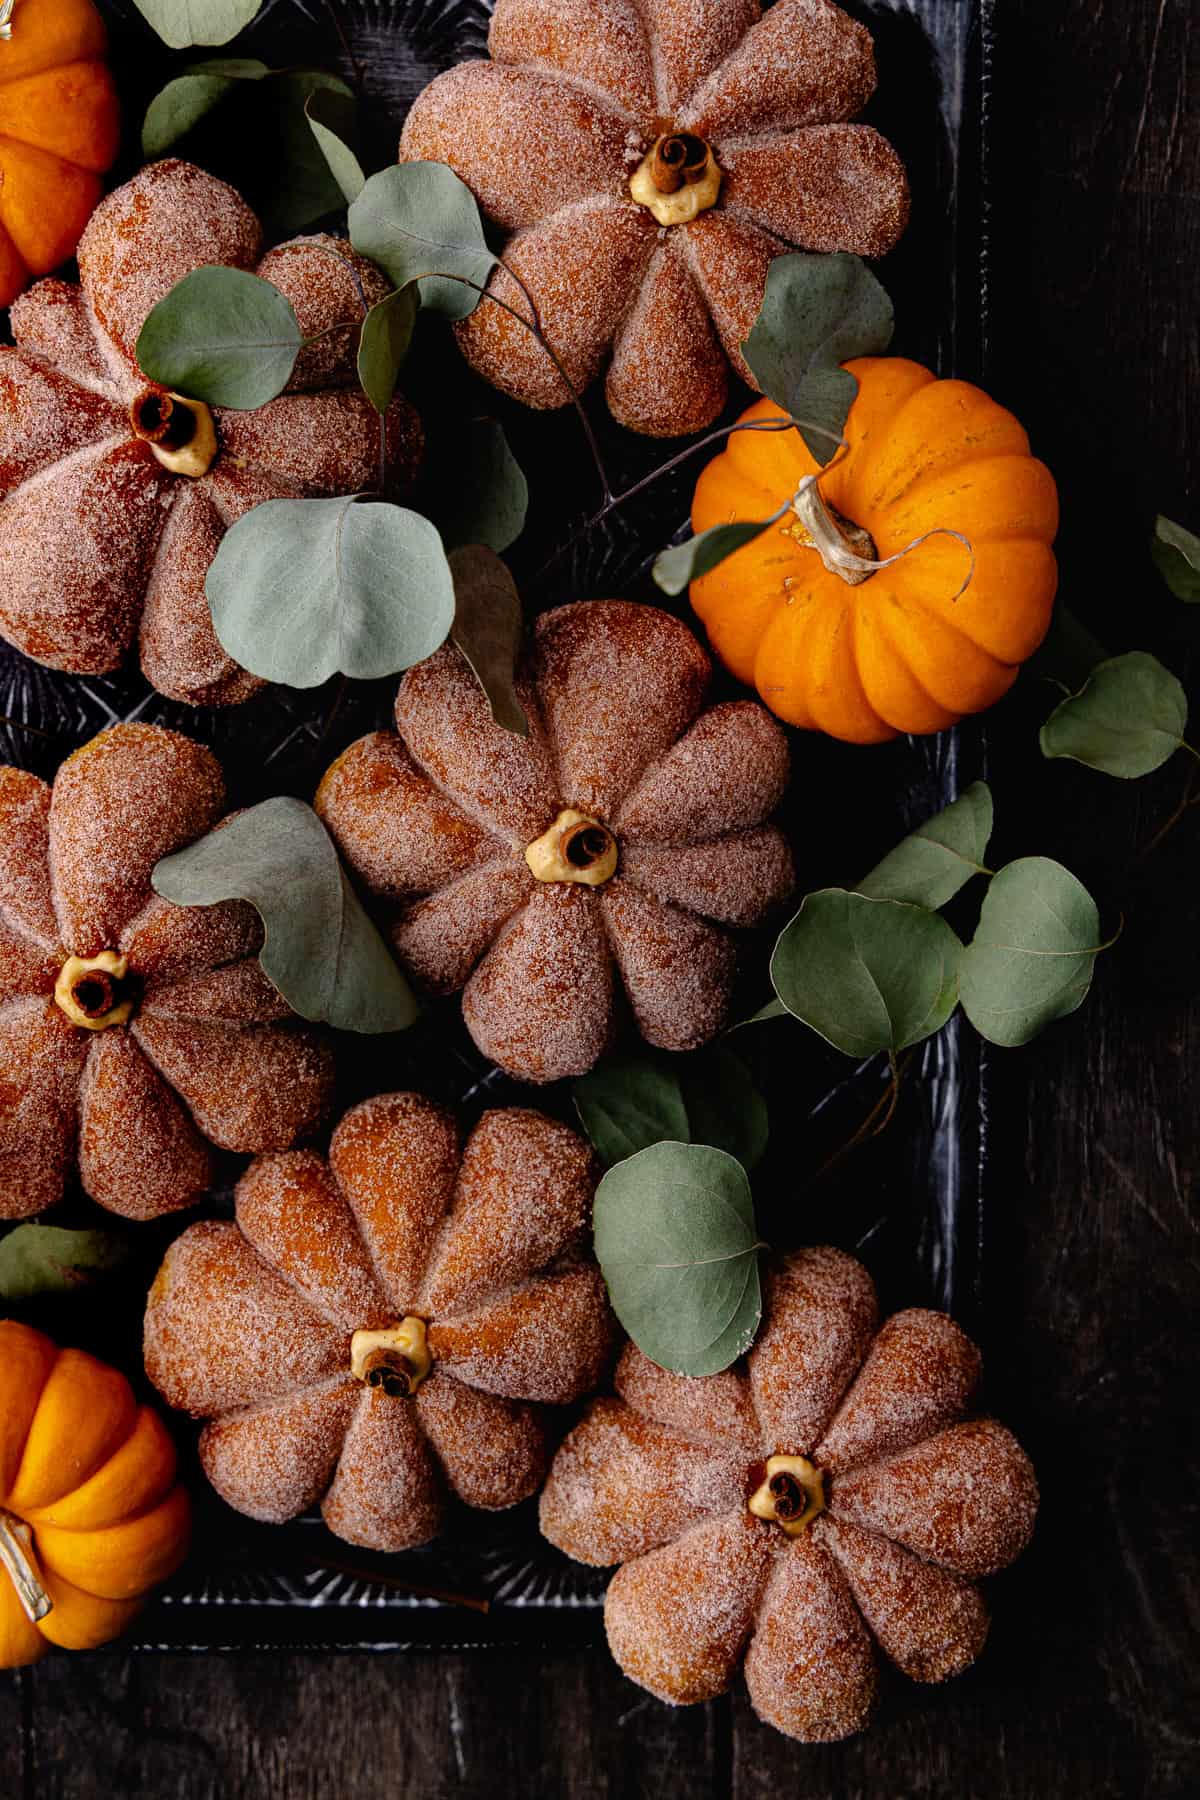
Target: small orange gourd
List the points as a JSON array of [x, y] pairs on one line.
[[91, 1513], [865, 654], [59, 133]]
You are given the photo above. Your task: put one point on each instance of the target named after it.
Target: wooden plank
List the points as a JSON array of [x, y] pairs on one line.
[[371, 1727]]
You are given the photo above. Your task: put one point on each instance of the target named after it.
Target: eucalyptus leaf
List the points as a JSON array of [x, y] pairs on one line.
[[816, 313], [45, 1259], [707, 1097], [774, 1009], [1177, 555], [383, 345], [682, 563], [330, 115], [1128, 718], [190, 98], [930, 865], [487, 629], [181, 23], [675, 1240], [222, 336], [302, 589], [482, 496], [252, 126], [1032, 956], [321, 950], [868, 975], [418, 219]]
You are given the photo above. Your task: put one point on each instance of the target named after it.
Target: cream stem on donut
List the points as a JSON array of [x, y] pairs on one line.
[[20, 1564], [677, 179], [179, 431], [88, 990], [791, 1495], [575, 848], [395, 1359]]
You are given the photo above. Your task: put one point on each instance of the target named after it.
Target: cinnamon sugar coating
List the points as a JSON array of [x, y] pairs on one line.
[[435, 824], [102, 549], [212, 1054], [920, 1500], [250, 1324], [548, 133]]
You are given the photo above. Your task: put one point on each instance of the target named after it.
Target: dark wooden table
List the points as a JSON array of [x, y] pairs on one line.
[[1089, 1686]]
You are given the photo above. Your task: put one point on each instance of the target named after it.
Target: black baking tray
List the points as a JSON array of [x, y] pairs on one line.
[[913, 1203]]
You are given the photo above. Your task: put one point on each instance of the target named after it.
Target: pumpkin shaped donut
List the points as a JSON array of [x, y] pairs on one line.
[[92, 1515], [387, 1326], [864, 653], [59, 134], [621, 840], [114, 495], [829, 1491], [650, 158], [134, 1034]]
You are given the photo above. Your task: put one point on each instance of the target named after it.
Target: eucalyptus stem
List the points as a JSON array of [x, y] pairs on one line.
[[876, 1121], [335, 17]]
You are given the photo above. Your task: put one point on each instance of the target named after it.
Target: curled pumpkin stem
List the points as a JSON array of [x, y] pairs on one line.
[[20, 1565], [843, 546]]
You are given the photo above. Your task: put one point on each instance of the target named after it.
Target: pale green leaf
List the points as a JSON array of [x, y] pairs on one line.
[[321, 950], [487, 629], [482, 495], [675, 1240], [682, 563], [45, 1259], [628, 1102], [930, 865], [1176, 553], [304, 589], [384, 344], [221, 336], [817, 312], [331, 116], [190, 98], [1128, 718], [417, 220], [868, 975], [182, 23], [1032, 956]]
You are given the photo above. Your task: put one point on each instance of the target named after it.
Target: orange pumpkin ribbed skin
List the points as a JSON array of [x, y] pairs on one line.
[[59, 133], [903, 651], [93, 1475]]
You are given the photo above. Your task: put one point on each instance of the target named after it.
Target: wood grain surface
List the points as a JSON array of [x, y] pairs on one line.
[[1089, 1685]]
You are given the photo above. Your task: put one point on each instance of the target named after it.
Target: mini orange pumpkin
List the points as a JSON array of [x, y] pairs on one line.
[[866, 654], [59, 132], [91, 1514]]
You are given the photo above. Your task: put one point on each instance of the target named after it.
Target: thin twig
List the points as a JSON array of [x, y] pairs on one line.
[[1190, 798], [876, 1121], [335, 17]]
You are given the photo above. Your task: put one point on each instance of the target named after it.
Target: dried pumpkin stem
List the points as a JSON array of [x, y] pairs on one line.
[[180, 432], [843, 546], [20, 1564]]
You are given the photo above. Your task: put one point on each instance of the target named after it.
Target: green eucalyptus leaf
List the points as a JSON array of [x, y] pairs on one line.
[[330, 115], [1128, 718], [302, 589], [418, 219], [1032, 956], [321, 950], [482, 496], [487, 629], [45, 1259], [384, 344], [221, 336], [1176, 553], [191, 97], [676, 1243], [816, 313], [628, 1102], [930, 865], [868, 975], [182, 23], [682, 563], [774, 1009]]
